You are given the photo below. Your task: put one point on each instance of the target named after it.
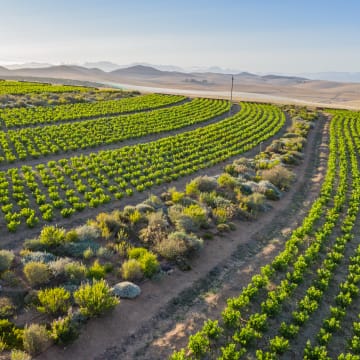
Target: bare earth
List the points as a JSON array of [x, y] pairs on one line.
[[174, 305]]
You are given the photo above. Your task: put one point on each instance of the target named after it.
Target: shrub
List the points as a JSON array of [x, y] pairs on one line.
[[221, 228], [57, 267], [7, 307], [198, 344], [96, 271], [279, 176], [108, 224], [36, 273], [71, 236], [63, 330], [135, 217], [227, 181], [137, 253], [201, 184], [87, 233], [255, 202], [279, 344], [75, 272], [54, 301], [186, 223], [149, 264], [6, 259], [147, 260], [10, 278], [197, 214], [10, 335], [179, 244], [36, 339], [131, 270], [19, 355], [88, 253], [51, 236], [37, 256], [94, 299]]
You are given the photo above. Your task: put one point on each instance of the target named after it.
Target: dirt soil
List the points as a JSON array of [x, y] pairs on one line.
[[173, 306]]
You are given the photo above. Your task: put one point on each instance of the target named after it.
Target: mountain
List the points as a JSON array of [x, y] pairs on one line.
[[102, 65], [334, 76], [148, 78], [29, 65]]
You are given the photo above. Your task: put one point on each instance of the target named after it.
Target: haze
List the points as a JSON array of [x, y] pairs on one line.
[[258, 36]]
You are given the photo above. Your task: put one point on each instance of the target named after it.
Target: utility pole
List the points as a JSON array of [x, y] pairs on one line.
[[231, 93]]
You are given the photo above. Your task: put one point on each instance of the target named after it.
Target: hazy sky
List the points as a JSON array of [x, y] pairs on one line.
[[252, 35]]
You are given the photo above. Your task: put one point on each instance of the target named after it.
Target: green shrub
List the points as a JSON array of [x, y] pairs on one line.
[[10, 335], [19, 355], [6, 259], [88, 253], [131, 270], [7, 307], [75, 272], [149, 264], [36, 273], [137, 253], [200, 184], [10, 278], [95, 299], [36, 339], [54, 301], [199, 344], [197, 214], [51, 236], [96, 271], [63, 330], [279, 345], [227, 181]]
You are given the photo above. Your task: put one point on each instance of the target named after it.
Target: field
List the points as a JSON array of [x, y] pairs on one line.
[[167, 227]]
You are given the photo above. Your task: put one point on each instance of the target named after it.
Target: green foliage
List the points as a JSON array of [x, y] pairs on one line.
[[198, 344], [6, 259], [75, 272], [131, 270], [279, 345], [10, 335], [95, 299], [37, 273], [197, 214], [63, 330], [96, 271], [7, 308], [19, 355], [54, 301], [52, 236]]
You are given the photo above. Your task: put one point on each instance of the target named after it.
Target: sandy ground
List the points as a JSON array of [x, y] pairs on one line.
[[275, 94], [120, 334]]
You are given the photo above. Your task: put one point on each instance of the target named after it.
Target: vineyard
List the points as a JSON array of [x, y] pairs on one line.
[[106, 193], [267, 322]]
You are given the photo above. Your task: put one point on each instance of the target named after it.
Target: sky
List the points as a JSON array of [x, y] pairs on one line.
[[284, 36]]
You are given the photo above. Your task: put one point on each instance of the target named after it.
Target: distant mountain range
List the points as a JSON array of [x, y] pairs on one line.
[[108, 66], [206, 83]]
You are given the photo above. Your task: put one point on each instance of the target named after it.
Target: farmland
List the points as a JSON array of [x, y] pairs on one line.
[[100, 187]]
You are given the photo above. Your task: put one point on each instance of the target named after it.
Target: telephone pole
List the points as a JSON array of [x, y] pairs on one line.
[[231, 93]]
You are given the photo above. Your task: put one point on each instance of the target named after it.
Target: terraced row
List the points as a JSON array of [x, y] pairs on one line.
[[19, 87], [17, 117], [28, 143], [71, 185], [268, 319]]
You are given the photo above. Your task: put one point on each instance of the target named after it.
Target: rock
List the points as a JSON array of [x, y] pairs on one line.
[[126, 290]]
